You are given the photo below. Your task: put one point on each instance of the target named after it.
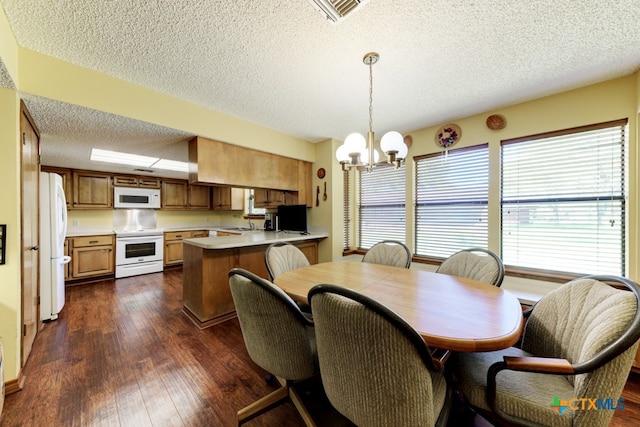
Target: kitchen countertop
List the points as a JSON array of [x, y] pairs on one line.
[[252, 238], [98, 231]]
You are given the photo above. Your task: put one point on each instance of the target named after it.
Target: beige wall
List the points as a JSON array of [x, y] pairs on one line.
[[10, 277], [10, 273]]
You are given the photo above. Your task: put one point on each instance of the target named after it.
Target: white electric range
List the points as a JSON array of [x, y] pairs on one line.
[[139, 245]]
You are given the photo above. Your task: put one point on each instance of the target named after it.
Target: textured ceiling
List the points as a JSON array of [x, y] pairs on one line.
[[279, 64]]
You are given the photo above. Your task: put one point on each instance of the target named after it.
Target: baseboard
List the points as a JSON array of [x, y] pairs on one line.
[[14, 386]]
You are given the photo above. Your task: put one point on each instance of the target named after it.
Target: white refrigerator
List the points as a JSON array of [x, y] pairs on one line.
[[53, 229]]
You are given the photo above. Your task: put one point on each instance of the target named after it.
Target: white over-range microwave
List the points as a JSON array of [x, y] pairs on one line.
[[136, 198]]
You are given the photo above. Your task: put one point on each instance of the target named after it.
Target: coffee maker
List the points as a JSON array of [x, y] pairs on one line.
[[268, 222]]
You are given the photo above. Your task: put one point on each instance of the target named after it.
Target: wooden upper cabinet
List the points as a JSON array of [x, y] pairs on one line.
[[268, 198], [175, 194], [227, 198], [67, 181], [125, 181], [136, 181], [149, 182], [214, 162], [199, 197], [305, 184], [92, 190]]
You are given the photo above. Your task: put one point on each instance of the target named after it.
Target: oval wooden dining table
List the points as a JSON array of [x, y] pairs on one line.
[[451, 313]]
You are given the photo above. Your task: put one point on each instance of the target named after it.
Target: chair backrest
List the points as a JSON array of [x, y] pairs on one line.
[[389, 252], [277, 335], [596, 327], [474, 263], [376, 369], [283, 257]]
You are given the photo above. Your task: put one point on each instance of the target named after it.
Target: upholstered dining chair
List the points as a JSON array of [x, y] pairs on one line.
[[577, 349], [278, 338], [282, 257], [375, 368], [474, 263], [389, 252]]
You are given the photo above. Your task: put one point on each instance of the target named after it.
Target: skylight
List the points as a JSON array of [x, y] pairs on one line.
[[107, 156]]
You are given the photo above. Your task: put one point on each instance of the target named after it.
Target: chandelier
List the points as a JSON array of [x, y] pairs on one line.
[[356, 151]]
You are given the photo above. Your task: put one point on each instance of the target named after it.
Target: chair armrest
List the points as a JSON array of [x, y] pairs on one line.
[[546, 365], [541, 365]]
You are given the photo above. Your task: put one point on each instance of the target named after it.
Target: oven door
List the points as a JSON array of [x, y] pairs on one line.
[[138, 249]]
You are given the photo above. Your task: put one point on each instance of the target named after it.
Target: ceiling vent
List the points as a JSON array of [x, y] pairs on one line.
[[337, 10]]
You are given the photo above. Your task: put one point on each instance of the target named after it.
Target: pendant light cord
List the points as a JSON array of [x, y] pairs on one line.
[[370, 96]]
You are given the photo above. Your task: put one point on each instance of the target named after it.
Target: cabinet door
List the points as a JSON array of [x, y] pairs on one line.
[[67, 181], [92, 261], [125, 181], [149, 182], [305, 184], [174, 194], [92, 190], [199, 197], [227, 199], [267, 198], [221, 198], [309, 249], [173, 252]]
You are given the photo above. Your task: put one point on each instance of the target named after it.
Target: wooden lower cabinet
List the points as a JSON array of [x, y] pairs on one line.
[[173, 244], [91, 256], [206, 295], [67, 252]]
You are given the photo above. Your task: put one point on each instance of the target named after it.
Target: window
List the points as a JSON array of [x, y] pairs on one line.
[[563, 200], [382, 205], [452, 193]]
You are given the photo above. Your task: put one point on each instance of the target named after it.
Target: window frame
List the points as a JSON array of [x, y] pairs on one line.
[[400, 205], [558, 276], [436, 260]]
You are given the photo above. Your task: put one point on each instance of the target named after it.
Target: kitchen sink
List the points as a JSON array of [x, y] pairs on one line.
[[237, 229]]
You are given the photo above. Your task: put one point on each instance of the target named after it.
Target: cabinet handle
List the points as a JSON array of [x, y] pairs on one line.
[[178, 235], [91, 242], [34, 248]]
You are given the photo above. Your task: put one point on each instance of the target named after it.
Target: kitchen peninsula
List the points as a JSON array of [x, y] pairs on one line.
[[206, 296]]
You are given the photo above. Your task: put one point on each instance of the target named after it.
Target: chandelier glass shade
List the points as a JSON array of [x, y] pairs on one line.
[[358, 151]]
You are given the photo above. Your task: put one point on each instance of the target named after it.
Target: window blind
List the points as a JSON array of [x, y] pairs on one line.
[[563, 200], [452, 193], [381, 206]]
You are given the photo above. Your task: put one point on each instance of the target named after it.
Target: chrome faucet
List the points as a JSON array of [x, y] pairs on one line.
[[252, 226]]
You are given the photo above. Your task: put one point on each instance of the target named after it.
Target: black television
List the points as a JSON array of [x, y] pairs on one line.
[[292, 218]]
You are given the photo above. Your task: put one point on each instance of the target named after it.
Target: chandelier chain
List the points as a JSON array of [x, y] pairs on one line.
[[370, 96]]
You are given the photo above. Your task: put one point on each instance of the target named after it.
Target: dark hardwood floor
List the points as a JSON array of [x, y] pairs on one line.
[[122, 353]]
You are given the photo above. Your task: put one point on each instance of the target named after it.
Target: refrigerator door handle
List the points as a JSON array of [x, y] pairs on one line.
[[65, 259]]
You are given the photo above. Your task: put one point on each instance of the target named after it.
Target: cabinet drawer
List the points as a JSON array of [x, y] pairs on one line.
[[92, 241], [177, 235], [200, 233]]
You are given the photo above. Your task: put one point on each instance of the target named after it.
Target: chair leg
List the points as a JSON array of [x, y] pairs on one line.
[[302, 410], [261, 405]]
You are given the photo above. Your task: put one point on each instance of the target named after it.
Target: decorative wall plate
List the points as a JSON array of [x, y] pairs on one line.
[[496, 122], [321, 173], [448, 135], [408, 140]]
